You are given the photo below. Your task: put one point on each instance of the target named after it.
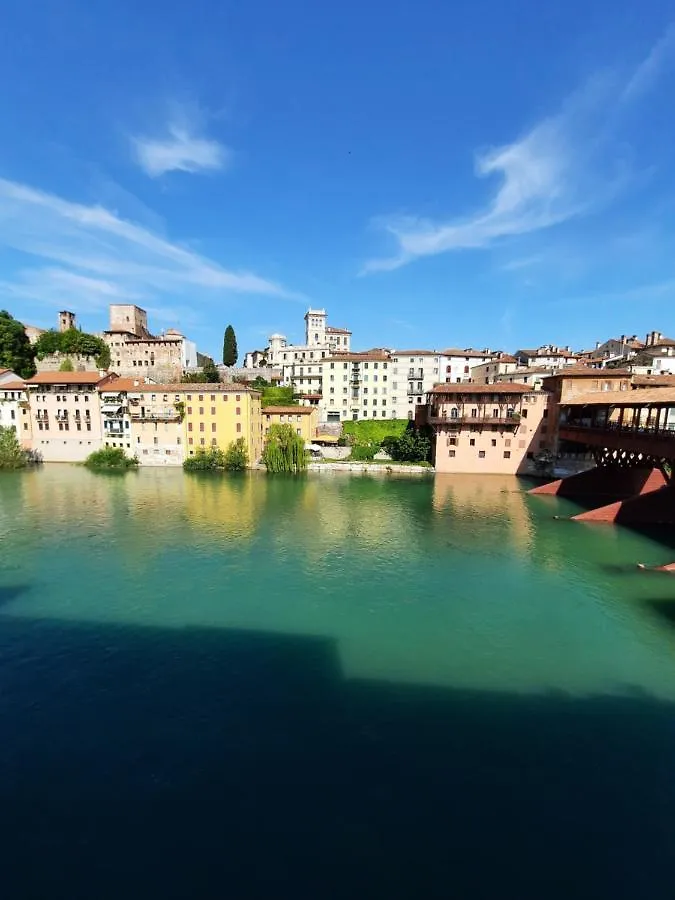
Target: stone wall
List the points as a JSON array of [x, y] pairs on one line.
[[53, 362]]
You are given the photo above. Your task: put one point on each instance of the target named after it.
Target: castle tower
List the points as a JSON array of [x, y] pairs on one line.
[[66, 320], [315, 328]]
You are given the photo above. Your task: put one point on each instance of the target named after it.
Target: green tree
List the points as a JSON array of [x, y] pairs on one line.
[[205, 460], [414, 445], [284, 451], [73, 342], [230, 353], [236, 456], [16, 352], [66, 365], [11, 454], [211, 372]]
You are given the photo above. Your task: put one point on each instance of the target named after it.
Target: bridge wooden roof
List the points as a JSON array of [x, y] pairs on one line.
[[662, 396]]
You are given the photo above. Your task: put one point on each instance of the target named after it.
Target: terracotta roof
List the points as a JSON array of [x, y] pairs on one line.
[[122, 384], [12, 385], [366, 356], [415, 353], [283, 410], [195, 388], [311, 396], [2, 371], [662, 395], [643, 381], [588, 372], [471, 388], [454, 351], [69, 378]]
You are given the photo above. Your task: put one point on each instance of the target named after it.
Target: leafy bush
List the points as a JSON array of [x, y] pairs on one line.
[[234, 459], [363, 452], [16, 351], [278, 396], [373, 431], [110, 458], [284, 450], [66, 365], [413, 446], [236, 456], [73, 342], [12, 456], [204, 460]]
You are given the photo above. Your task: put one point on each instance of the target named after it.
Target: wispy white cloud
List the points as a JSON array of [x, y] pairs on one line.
[[180, 146], [525, 262], [90, 253], [651, 68], [560, 169]]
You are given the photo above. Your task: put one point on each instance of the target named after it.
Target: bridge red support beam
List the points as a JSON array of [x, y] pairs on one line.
[[604, 483], [656, 507]]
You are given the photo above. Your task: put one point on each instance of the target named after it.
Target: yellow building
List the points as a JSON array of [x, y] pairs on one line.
[[218, 414], [303, 419], [155, 415]]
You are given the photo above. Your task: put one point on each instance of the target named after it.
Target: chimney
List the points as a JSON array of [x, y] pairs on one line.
[[597, 345], [623, 339]]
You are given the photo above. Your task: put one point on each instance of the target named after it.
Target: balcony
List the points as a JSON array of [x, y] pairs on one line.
[[162, 415], [502, 421]]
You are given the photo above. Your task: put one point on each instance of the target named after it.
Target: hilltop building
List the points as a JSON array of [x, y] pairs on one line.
[[135, 352]]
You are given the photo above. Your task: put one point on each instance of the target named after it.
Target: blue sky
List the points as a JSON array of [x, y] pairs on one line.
[[434, 174]]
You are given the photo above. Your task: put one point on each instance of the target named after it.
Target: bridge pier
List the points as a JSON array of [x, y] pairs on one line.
[[605, 484], [656, 507]]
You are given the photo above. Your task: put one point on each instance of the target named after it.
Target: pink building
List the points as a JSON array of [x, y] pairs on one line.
[[486, 428]]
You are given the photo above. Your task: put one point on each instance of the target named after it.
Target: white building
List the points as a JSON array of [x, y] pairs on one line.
[[14, 412], [486, 373], [547, 355], [321, 340], [356, 386]]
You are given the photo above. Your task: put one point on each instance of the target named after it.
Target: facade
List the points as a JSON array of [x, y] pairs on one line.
[[135, 352], [156, 422], [564, 386], [486, 429], [14, 410], [218, 414], [65, 414], [532, 376], [303, 419], [115, 420], [413, 373], [489, 372], [457, 365], [548, 356], [356, 386], [321, 340]]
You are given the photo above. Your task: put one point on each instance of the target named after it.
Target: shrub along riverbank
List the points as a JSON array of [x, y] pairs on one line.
[[110, 459]]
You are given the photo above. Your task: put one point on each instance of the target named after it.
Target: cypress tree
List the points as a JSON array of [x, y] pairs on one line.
[[230, 353]]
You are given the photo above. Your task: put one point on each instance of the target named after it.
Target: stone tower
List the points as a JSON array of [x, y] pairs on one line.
[[315, 327], [66, 320]]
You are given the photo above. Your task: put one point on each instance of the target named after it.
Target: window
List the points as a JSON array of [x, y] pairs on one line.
[[213, 426], [213, 410], [189, 410], [451, 454], [86, 398], [201, 426], [494, 442], [452, 441], [472, 442], [202, 442], [201, 397], [507, 454], [189, 426], [190, 441], [481, 454], [201, 410], [507, 442], [238, 398], [238, 427], [213, 398], [88, 426], [238, 410], [523, 414], [155, 441], [189, 396]]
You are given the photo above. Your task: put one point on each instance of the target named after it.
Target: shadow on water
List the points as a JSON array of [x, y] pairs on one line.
[[144, 763], [11, 592], [665, 609]]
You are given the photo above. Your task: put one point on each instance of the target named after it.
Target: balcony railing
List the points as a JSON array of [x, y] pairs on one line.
[[511, 421], [168, 415]]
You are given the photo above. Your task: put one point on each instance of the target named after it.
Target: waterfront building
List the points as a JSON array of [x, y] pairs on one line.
[[155, 413], [489, 429], [135, 352], [457, 365], [65, 414], [215, 415], [303, 419], [115, 419], [14, 409], [413, 373], [357, 386]]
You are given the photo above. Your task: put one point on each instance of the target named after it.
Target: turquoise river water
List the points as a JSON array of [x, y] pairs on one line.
[[334, 686]]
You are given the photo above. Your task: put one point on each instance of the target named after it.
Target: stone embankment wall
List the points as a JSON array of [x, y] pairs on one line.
[[369, 468], [52, 363]]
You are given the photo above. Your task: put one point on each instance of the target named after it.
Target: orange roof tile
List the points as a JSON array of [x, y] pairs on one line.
[[70, 378], [471, 388], [283, 410], [12, 385]]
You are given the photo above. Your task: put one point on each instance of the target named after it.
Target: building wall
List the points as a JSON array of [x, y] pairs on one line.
[[304, 421], [492, 448], [157, 430], [217, 415], [115, 421], [125, 317], [160, 359], [14, 412], [65, 421], [53, 362], [489, 372]]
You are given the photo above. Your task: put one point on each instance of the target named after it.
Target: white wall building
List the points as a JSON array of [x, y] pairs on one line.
[[321, 340], [14, 412]]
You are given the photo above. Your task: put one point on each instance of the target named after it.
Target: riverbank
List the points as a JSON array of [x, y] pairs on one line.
[[379, 468]]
